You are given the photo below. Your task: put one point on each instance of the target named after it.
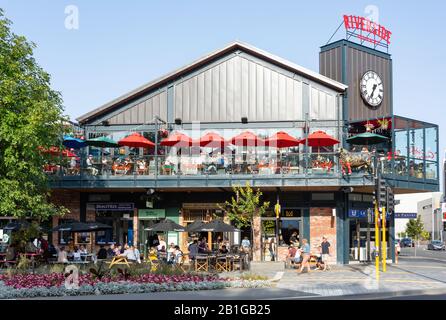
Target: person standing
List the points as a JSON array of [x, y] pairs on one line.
[[272, 249], [193, 250], [325, 250], [305, 256]]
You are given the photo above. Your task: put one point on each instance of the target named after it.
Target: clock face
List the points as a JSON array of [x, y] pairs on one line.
[[372, 89]]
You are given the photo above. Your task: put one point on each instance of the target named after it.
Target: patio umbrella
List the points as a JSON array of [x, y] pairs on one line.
[[194, 226], [165, 226], [247, 138], [72, 226], [217, 226], [212, 140], [136, 140], [178, 139], [102, 142], [367, 138], [73, 143], [94, 226], [320, 139], [282, 140], [19, 224]]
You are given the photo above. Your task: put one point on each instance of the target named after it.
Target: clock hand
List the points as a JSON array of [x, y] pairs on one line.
[[373, 91]]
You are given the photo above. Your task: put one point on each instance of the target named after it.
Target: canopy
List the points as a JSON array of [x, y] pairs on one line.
[[282, 140], [102, 142], [165, 226], [367, 138], [247, 138], [136, 140], [320, 139], [76, 226], [212, 140], [178, 139], [217, 226], [194, 226], [73, 143]]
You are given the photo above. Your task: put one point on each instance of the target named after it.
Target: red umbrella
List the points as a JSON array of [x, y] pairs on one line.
[[247, 138], [55, 151], [320, 139], [178, 139], [136, 140], [212, 140], [68, 154], [282, 140]]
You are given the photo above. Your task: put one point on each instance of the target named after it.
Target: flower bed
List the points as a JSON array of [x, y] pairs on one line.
[[50, 285]]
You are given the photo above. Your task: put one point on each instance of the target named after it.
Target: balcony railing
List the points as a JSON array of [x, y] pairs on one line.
[[290, 164]]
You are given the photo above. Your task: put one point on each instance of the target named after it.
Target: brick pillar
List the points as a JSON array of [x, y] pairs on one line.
[[322, 223], [135, 227], [256, 243], [70, 200]]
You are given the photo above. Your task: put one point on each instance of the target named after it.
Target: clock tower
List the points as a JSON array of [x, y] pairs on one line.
[[368, 74]]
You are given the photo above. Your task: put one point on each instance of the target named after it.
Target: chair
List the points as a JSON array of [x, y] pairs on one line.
[[180, 265], [153, 264], [237, 263], [201, 263], [222, 264]]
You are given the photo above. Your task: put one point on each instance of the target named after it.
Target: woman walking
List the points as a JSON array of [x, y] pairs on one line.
[[305, 256]]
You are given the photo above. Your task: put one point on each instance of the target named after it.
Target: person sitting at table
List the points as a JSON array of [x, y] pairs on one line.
[[76, 254], [203, 247], [117, 250], [177, 255], [90, 166], [193, 250], [153, 254], [83, 250], [62, 256], [102, 253], [170, 252], [161, 244], [289, 260], [111, 251], [223, 250]]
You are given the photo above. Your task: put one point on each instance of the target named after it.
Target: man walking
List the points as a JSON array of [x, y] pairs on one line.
[[325, 250]]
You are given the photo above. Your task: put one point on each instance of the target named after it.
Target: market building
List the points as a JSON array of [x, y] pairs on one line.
[[241, 89]]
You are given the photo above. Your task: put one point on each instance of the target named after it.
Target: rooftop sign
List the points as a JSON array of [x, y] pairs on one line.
[[367, 30]]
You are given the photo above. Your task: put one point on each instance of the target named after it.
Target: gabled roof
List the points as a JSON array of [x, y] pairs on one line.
[[233, 46]]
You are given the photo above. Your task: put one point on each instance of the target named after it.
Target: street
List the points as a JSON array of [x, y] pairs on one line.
[[423, 252]]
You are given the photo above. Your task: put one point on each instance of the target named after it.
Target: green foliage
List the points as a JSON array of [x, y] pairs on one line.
[[425, 235], [23, 263], [31, 117], [401, 235], [415, 228], [245, 206], [21, 238]]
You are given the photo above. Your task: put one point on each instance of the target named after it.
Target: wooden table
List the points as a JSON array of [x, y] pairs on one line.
[[119, 260]]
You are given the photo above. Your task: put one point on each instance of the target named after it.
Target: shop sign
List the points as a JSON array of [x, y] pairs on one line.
[[151, 213], [405, 215], [291, 213], [114, 206], [357, 213], [371, 29]]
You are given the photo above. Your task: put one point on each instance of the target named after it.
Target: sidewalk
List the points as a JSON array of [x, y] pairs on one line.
[[409, 274]]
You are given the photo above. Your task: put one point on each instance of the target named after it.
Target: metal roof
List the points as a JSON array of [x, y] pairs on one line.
[[233, 46]]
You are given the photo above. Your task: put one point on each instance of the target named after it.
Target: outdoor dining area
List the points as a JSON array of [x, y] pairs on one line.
[[211, 154], [200, 257]]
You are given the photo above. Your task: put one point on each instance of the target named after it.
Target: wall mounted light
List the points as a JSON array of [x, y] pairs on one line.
[[178, 121], [244, 120]]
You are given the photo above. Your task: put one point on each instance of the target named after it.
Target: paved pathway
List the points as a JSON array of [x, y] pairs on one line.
[[409, 274]]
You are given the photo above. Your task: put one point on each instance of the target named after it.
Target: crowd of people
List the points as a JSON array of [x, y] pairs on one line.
[[299, 254]]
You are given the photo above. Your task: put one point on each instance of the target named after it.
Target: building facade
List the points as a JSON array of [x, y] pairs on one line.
[[236, 89]]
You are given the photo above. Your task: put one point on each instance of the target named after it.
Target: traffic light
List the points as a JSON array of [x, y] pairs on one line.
[[381, 191], [390, 200]]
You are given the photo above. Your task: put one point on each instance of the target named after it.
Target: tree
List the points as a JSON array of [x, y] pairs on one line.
[[415, 230], [244, 207], [31, 117]]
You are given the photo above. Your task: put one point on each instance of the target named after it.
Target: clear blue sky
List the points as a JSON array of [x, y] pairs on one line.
[[122, 44]]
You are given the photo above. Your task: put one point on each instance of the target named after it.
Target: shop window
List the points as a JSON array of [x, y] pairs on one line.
[[356, 197]]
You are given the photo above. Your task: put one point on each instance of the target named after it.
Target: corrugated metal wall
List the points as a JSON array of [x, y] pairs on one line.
[[233, 88], [144, 111], [358, 63], [239, 88]]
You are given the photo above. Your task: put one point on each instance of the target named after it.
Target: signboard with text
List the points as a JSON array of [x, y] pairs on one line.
[[114, 206], [367, 31], [405, 215]]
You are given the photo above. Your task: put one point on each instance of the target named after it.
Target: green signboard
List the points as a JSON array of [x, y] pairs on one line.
[[151, 213]]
